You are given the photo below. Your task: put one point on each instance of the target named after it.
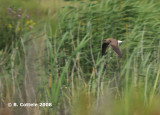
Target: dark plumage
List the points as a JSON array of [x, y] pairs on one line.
[[114, 43]]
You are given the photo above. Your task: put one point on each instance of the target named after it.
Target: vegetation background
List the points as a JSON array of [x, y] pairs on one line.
[[50, 52]]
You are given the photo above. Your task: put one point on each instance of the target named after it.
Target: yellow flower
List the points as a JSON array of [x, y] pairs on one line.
[[30, 24], [33, 23], [19, 29], [10, 26], [27, 22]]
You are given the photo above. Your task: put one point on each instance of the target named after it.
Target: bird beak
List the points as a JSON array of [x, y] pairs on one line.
[[119, 42]]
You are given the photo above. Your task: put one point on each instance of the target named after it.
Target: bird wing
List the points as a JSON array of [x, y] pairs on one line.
[[116, 48], [104, 47]]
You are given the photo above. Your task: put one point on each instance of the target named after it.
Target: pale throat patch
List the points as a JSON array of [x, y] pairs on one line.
[[119, 42]]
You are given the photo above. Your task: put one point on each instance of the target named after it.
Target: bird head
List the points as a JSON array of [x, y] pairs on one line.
[[119, 42]]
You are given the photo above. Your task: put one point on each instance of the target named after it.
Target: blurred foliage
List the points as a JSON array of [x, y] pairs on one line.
[[15, 24], [17, 18]]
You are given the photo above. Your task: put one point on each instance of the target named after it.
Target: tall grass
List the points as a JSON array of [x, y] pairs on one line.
[[127, 21], [61, 62]]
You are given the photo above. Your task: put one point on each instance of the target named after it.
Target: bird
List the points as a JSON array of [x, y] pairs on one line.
[[115, 46]]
